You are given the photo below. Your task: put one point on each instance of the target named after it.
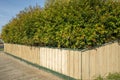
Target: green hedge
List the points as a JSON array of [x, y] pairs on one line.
[[75, 24]]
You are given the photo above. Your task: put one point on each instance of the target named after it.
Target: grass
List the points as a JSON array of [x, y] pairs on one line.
[[111, 76], [1, 49], [1, 46]]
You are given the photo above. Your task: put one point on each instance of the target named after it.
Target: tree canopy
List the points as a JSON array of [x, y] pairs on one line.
[[75, 24]]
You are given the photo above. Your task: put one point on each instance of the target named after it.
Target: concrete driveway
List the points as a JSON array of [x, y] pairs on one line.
[[12, 69]]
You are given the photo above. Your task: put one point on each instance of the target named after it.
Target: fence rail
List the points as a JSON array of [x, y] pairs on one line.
[[77, 64]]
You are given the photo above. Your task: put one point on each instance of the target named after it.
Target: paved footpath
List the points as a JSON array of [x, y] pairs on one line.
[[12, 69]]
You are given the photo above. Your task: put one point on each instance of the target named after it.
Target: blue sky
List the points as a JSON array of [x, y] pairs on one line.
[[9, 8]]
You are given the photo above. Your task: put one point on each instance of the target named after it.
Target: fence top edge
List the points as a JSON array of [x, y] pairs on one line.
[[82, 50], [95, 48]]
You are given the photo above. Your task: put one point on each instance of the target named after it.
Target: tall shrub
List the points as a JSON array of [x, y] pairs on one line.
[[74, 24]]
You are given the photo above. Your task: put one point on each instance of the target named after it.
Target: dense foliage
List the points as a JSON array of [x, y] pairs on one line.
[[74, 24]]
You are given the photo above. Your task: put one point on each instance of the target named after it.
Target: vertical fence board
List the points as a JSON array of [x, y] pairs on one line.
[[36, 55], [53, 53], [101, 65], [97, 61], [55, 59], [47, 58], [72, 63], [64, 61], [77, 64], [32, 59], [85, 65], [44, 57], [112, 58], [92, 63], [41, 56], [116, 57], [107, 54], [50, 58], [49, 54], [119, 56], [28, 53], [24, 52], [59, 61], [106, 60], [80, 65], [68, 63]]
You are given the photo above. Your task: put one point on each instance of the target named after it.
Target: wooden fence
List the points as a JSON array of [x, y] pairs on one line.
[[84, 65]]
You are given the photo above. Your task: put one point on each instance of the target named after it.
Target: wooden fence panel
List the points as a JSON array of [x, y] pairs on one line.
[[97, 63], [64, 62], [115, 53], [100, 61], [107, 55], [23, 51], [112, 58], [103, 59], [59, 59], [68, 63], [55, 59], [85, 65], [47, 58], [42, 56], [119, 57], [92, 63], [50, 58], [48, 55], [77, 64], [71, 64]]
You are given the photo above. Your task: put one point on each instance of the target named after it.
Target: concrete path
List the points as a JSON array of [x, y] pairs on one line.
[[13, 69]]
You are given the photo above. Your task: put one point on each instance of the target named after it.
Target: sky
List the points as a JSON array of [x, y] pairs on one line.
[[9, 8]]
